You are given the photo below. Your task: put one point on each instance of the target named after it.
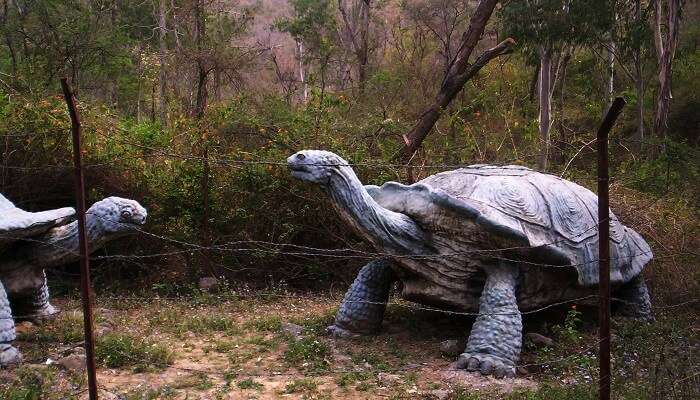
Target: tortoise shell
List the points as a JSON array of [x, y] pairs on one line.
[[16, 224], [521, 207]]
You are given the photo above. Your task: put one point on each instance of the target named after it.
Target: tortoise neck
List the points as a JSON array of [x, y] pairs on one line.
[[385, 229], [61, 245]]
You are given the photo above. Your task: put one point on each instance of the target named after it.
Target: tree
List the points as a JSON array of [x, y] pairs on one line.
[[443, 19], [356, 23], [549, 30], [666, 26], [162, 49], [633, 37], [313, 27], [459, 72]]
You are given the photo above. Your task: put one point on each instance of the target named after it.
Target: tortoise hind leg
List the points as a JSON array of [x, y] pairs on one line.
[[633, 299], [495, 341], [362, 309], [8, 353], [33, 303]]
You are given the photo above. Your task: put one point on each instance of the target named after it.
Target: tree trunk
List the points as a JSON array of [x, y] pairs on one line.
[[665, 45], [202, 73], [459, 73], [362, 54], [359, 47], [534, 81], [610, 86], [200, 112], [544, 98], [563, 139], [161, 59], [302, 78], [639, 83]]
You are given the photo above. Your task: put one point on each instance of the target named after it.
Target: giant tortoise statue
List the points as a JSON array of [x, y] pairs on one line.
[[33, 241], [494, 240]]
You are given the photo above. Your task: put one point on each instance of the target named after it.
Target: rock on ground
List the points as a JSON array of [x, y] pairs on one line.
[[292, 329], [73, 362], [539, 340], [385, 379], [208, 284], [452, 347]]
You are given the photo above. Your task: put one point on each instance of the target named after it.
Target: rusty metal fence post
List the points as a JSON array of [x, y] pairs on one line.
[[604, 249], [85, 286]]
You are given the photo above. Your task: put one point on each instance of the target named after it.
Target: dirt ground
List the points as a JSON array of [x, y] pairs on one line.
[[274, 347]]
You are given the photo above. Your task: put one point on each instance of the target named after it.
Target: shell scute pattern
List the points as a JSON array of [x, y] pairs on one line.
[[493, 170], [458, 183], [514, 198], [617, 232], [570, 217]]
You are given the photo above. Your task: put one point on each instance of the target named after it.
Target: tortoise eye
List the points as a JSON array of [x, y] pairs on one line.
[[301, 156], [126, 214]]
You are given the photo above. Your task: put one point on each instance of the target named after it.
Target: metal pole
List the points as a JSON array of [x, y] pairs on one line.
[[85, 288], [604, 249]]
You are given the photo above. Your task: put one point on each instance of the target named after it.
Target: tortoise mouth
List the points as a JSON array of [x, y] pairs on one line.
[[301, 171], [298, 168]]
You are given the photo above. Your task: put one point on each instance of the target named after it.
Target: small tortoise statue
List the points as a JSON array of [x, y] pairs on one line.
[[486, 239], [33, 241]]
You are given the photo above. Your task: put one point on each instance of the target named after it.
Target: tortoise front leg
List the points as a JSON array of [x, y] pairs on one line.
[[32, 303], [495, 341], [8, 353], [362, 309]]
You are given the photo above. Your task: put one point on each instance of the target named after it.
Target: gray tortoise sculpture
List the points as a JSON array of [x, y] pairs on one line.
[[33, 241], [486, 239]]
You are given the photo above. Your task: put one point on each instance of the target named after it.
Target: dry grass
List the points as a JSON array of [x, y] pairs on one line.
[[671, 226]]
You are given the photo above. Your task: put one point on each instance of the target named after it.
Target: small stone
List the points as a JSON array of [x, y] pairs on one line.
[[103, 330], [80, 350], [24, 327], [292, 329], [452, 347], [73, 362], [539, 340], [385, 379], [439, 394], [208, 284]]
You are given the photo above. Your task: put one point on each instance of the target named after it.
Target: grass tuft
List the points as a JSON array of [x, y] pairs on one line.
[[249, 384], [307, 353], [116, 350], [304, 385]]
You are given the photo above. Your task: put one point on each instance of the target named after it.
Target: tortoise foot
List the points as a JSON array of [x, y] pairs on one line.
[[486, 364], [338, 332], [9, 355], [44, 313]]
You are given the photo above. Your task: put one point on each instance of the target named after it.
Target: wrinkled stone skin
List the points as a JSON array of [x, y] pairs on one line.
[[31, 242], [486, 239]]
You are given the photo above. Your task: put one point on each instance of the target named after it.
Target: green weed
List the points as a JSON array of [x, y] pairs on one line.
[[305, 385], [116, 350], [249, 384], [307, 353]]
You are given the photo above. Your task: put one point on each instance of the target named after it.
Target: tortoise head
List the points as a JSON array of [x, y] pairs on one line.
[[118, 215], [315, 166]]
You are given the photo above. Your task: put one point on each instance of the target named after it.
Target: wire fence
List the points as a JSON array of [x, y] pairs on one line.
[[294, 250]]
